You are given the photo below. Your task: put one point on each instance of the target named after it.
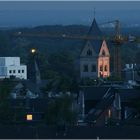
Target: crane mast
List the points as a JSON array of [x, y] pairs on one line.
[[117, 48], [117, 51]]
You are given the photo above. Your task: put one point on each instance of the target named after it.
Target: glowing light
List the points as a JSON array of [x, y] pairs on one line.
[[29, 117], [109, 113], [33, 50]]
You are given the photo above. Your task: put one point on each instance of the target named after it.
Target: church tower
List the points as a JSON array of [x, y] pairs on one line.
[[95, 57]]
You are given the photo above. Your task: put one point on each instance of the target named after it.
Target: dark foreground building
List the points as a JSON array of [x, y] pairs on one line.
[[44, 132]]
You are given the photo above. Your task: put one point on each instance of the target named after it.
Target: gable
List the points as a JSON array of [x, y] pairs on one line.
[[104, 51], [88, 50]]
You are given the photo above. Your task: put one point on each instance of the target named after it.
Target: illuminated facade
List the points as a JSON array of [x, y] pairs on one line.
[[95, 57], [95, 64], [104, 61], [11, 66]]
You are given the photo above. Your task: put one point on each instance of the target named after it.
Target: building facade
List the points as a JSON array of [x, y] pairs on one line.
[[10, 66], [95, 57], [95, 63]]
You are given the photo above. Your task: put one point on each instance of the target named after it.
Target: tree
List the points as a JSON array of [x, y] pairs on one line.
[[61, 84], [63, 63], [60, 111], [5, 109]]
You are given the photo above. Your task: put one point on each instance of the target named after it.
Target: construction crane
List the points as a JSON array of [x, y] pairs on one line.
[[65, 36], [117, 41]]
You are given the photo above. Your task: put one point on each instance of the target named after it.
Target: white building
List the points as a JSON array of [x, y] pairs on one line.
[[10, 66]]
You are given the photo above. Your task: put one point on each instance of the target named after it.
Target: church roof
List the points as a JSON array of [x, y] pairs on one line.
[[94, 30], [97, 35], [96, 44]]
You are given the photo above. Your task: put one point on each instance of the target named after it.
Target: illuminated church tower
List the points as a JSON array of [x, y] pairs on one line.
[[95, 57]]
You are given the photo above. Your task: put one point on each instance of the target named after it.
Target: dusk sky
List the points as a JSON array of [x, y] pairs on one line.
[[34, 13]]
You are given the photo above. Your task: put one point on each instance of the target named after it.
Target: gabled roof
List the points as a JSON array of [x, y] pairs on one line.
[[96, 44], [94, 93], [97, 35]]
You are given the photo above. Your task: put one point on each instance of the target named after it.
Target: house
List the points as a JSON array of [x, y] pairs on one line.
[[25, 89], [34, 109], [100, 104], [95, 56], [11, 67], [28, 89], [130, 73]]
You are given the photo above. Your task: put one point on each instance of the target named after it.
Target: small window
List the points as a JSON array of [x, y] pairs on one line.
[[93, 68], [101, 68], [22, 71], [18, 71], [29, 117], [89, 53], [105, 67], [103, 53], [10, 71], [85, 68], [14, 71]]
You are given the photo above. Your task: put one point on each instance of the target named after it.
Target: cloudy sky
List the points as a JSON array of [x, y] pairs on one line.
[[33, 13]]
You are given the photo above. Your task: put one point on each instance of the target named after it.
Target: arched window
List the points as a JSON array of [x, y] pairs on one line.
[[103, 52], [105, 67], [89, 53], [101, 68]]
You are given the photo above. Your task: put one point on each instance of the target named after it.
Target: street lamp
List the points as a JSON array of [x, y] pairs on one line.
[[33, 51]]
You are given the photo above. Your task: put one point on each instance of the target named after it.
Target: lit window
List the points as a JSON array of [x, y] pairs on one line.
[[29, 117], [109, 113], [101, 68], [105, 67]]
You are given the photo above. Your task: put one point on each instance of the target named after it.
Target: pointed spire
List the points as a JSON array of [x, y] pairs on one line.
[[94, 30], [37, 74]]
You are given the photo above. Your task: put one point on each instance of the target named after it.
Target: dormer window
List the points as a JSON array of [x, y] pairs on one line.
[[89, 53]]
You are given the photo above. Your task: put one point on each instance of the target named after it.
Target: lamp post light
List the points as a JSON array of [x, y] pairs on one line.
[[33, 51]]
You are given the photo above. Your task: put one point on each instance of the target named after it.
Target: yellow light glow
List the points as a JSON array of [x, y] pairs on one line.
[[33, 51], [29, 117], [109, 113]]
